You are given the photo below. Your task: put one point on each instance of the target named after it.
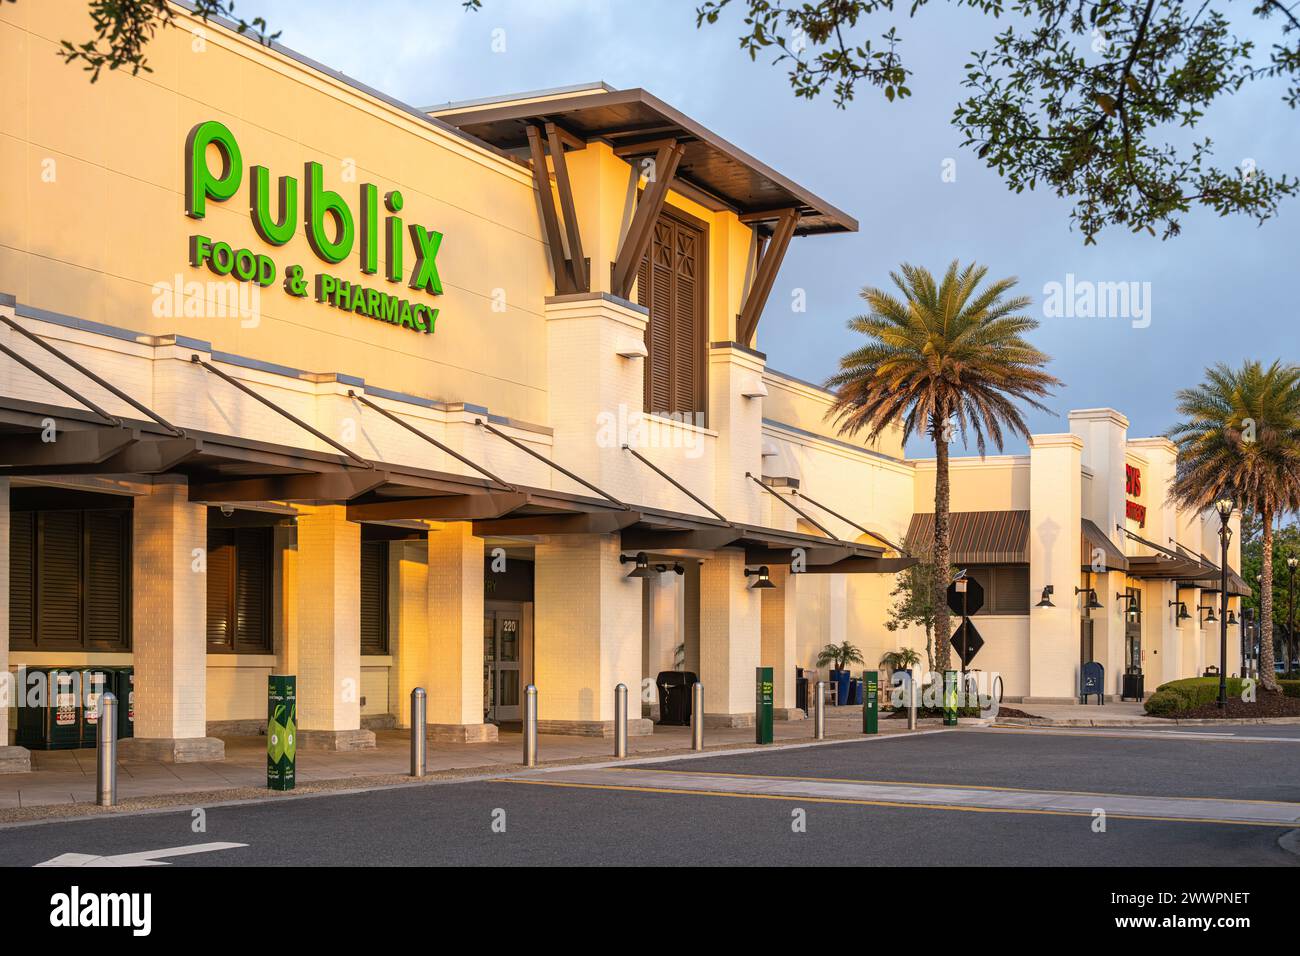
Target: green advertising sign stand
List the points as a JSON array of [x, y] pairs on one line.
[[950, 698], [763, 694], [870, 702], [281, 731]]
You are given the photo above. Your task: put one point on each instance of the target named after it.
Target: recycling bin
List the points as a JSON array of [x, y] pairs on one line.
[[122, 681], [94, 682], [56, 723]]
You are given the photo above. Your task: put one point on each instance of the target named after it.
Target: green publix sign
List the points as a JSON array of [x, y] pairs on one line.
[[331, 228]]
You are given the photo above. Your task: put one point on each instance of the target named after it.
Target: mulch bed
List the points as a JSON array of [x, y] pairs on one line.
[[1268, 704]]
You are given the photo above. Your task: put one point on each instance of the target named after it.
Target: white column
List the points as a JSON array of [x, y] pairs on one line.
[[1055, 479], [408, 568], [780, 639], [329, 631], [169, 627], [455, 635], [587, 635], [730, 636]]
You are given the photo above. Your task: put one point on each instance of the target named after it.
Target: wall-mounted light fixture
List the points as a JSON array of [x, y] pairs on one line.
[[642, 562], [1092, 604], [763, 580], [1182, 614], [633, 349], [1046, 599], [1130, 601], [758, 390], [1202, 609], [1232, 618], [644, 569]]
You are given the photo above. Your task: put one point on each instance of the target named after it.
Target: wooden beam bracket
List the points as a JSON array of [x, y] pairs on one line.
[[770, 256]]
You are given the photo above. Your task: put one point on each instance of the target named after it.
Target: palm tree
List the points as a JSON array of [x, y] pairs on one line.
[[1240, 439], [943, 354]]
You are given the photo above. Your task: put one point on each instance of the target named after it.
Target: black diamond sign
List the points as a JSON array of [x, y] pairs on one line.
[[974, 597], [967, 642]]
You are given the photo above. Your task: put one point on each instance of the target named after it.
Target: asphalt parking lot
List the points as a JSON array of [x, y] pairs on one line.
[[922, 800]]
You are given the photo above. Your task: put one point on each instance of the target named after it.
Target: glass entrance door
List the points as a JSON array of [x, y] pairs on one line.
[[501, 666], [1133, 632]]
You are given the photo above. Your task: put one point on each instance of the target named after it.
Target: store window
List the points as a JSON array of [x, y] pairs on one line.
[[374, 597], [1006, 587], [70, 580], [671, 284], [239, 590]]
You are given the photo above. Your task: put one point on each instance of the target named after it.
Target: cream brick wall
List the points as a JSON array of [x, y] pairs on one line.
[[779, 617], [237, 687], [455, 624], [1054, 521], [730, 634], [739, 424], [587, 628], [408, 575], [329, 620], [168, 612]]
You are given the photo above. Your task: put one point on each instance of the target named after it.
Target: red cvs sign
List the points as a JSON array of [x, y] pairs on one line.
[[1133, 488]]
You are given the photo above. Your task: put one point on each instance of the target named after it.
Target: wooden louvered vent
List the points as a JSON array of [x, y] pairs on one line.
[[374, 597], [69, 580], [671, 284]]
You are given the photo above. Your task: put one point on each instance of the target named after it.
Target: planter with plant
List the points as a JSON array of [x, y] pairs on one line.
[[902, 660], [839, 657]]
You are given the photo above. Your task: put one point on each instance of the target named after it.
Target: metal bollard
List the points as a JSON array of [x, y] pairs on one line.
[[819, 712], [419, 742], [697, 716], [106, 757], [911, 703], [530, 725], [620, 720]]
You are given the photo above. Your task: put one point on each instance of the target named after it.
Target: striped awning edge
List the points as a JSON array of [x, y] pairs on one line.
[[976, 537]]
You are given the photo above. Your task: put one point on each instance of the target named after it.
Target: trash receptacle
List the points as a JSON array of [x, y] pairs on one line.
[[122, 682], [800, 690], [56, 723], [94, 681], [675, 697]]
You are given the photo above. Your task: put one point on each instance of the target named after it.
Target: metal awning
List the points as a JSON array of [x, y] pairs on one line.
[[1165, 564], [636, 123], [1093, 539], [975, 537]]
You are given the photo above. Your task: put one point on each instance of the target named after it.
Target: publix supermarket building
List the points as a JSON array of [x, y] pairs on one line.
[[296, 379]]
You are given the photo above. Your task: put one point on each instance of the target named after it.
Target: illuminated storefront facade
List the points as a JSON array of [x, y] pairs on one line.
[[299, 379]]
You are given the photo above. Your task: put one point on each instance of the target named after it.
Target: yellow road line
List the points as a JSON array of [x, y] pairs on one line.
[[1150, 735], [947, 786], [883, 803]]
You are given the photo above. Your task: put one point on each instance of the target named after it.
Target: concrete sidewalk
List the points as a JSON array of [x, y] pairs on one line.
[[61, 777]]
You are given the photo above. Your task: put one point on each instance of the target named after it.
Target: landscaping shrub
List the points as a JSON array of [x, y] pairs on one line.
[[1200, 690], [1165, 702], [1290, 688]]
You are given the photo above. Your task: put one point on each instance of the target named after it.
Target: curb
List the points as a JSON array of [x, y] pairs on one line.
[[1150, 722]]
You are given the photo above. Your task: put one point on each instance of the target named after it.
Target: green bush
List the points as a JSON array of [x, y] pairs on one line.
[[1290, 687], [1197, 691], [1165, 702]]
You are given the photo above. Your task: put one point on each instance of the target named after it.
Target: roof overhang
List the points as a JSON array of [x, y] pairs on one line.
[[636, 124]]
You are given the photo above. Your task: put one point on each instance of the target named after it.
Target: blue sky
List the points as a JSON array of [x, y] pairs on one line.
[[1220, 291]]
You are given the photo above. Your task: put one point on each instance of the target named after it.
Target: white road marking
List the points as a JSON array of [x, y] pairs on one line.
[[139, 858]]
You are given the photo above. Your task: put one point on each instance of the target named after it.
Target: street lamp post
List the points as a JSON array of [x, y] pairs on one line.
[[1291, 563], [1224, 507]]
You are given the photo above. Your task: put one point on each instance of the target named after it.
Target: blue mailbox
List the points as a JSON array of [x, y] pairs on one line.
[[1092, 680]]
